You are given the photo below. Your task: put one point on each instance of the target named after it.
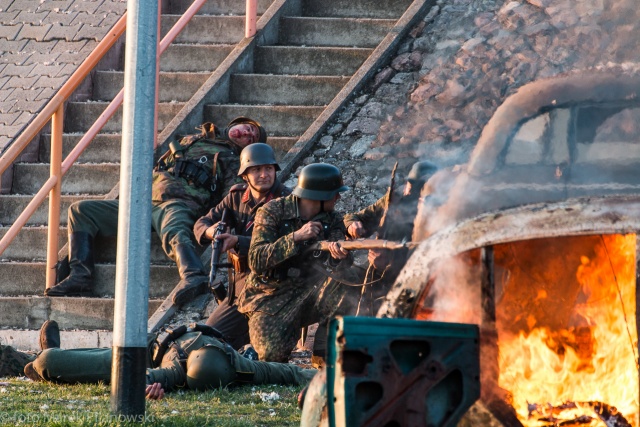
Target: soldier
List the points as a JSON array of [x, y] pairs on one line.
[[400, 214], [192, 176], [289, 287], [258, 168], [193, 357]]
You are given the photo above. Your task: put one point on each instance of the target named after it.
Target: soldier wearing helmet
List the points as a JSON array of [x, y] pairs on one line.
[[190, 178], [192, 356], [258, 168], [290, 287], [384, 265]]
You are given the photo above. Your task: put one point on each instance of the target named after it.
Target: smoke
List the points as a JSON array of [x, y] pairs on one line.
[[456, 290]]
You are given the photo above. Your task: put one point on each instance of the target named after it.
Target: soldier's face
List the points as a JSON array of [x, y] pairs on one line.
[[260, 178], [330, 205], [244, 134]]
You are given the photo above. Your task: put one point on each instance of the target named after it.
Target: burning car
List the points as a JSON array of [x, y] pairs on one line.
[[537, 244]]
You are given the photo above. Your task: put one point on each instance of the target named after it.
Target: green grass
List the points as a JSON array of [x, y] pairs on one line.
[[23, 402]]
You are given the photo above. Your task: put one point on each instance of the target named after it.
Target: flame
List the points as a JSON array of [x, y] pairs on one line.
[[592, 358]]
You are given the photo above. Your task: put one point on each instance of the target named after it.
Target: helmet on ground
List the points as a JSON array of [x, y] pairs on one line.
[[319, 181], [257, 154], [209, 367], [246, 120], [421, 172]]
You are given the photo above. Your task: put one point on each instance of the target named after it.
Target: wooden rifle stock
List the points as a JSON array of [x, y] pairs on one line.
[[363, 244]]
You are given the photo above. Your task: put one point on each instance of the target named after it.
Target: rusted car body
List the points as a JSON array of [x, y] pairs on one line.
[[536, 237]]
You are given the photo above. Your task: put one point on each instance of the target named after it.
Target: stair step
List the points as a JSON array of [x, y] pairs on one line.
[[310, 31], [282, 144], [321, 61], [162, 279], [83, 178], [173, 86], [280, 120], [389, 9], [105, 147], [218, 7], [204, 29], [12, 205], [193, 57], [81, 115], [28, 340], [31, 245], [70, 313], [284, 89]]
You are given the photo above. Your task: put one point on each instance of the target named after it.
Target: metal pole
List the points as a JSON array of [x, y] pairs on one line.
[[134, 231]]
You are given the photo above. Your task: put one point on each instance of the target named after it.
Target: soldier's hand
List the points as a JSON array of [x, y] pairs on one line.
[[356, 230], [337, 251], [154, 391], [378, 258], [310, 230], [229, 241]]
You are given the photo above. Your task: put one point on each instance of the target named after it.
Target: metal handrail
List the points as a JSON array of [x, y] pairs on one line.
[[54, 111]]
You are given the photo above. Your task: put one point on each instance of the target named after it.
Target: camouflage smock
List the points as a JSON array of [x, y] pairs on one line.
[[281, 271], [166, 186]]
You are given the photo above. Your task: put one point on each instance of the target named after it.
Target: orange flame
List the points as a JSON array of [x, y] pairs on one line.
[[593, 357]]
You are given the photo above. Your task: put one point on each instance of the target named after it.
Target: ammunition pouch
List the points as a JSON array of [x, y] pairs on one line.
[[193, 172], [240, 262]]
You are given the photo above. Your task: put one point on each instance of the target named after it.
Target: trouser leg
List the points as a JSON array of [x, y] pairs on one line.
[[83, 365], [273, 373], [273, 336], [12, 361], [86, 220], [228, 320], [173, 221]]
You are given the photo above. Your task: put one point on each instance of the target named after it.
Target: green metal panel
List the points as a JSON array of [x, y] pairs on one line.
[[397, 372]]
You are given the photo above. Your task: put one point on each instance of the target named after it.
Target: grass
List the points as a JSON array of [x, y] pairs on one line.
[[23, 402]]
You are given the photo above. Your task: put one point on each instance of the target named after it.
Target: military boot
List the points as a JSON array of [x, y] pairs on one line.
[[31, 373], [49, 335], [193, 280], [80, 280]]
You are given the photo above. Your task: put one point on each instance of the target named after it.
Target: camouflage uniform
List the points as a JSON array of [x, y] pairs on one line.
[[92, 365], [243, 207], [284, 290]]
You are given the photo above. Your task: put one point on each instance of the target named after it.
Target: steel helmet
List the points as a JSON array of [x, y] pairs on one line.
[[319, 181], [257, 154], [242, 120], [421, 172], [209, 367]]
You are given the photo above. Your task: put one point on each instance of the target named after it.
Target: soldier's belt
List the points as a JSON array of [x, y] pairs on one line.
[[193, 172]]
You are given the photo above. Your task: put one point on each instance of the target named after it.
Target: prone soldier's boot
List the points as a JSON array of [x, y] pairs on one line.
[[80, 279], [49, 335], [193, 280]]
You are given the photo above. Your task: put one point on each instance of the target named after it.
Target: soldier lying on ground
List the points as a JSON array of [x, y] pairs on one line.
[[193, 357], [289, 287], [194, 175], [258, 168], [398, 215]]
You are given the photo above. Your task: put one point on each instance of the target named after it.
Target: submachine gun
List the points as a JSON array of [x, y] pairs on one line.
[[217, 289]]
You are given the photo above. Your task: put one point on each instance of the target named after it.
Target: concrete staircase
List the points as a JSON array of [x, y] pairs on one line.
[[302, 63]]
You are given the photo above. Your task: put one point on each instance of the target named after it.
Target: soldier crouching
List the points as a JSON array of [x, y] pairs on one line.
[[290, 287]]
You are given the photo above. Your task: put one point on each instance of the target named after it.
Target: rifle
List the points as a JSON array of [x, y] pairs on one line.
[[365, 244], [383, 218], [217, 289]]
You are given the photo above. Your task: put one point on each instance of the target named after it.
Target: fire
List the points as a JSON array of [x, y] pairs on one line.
[[584, 352]]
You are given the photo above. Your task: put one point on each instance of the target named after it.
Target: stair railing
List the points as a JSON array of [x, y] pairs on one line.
[[54, 111]]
